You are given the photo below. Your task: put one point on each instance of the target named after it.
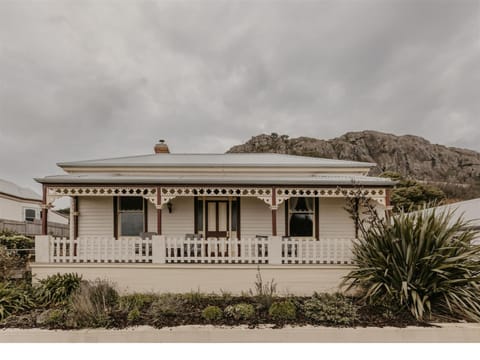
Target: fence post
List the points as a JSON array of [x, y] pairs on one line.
[[42, 248], [158, 249], [274, 250]]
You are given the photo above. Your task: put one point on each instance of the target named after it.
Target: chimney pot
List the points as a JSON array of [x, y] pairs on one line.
[[161, 147]]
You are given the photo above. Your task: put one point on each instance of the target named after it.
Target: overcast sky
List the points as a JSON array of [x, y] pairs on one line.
[[93, 79]]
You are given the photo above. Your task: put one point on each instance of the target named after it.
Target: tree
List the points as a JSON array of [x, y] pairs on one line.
[[410, 194]]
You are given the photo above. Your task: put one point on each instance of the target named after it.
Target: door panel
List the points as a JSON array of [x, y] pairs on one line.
[[212, 216], [222, 216], [217, 218]]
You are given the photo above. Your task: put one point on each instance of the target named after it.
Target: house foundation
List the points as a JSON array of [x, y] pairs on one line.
[[301, 280]]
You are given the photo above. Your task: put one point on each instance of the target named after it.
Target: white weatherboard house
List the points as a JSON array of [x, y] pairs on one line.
[[181, 222], [21, 208]]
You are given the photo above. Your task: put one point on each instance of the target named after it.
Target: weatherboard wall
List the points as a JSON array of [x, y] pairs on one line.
[[334, 221], [95, 216]]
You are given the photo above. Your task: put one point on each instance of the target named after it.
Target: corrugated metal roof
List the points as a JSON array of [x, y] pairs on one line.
[[9, 188], [323, 179], [217, 160]]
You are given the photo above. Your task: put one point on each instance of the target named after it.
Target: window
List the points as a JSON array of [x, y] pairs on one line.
[[301, 216], [30, 214], [131, 215]]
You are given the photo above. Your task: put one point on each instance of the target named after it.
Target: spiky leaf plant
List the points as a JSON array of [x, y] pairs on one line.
[[57, 289], [423, 261], [14, 299]]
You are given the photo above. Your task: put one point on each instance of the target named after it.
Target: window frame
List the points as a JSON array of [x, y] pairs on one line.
[[120, 211], [313, 212], [25, 209]]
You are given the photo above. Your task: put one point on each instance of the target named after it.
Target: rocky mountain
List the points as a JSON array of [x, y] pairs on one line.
[[411, 156]]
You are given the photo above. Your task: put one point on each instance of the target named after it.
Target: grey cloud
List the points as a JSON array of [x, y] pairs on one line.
[[105, 78]]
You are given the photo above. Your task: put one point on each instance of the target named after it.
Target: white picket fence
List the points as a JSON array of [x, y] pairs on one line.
[[101, 249], [312, 251], [177, 250], [217, 250]]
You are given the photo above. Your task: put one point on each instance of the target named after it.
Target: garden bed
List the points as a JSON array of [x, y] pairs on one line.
[[66, 302]]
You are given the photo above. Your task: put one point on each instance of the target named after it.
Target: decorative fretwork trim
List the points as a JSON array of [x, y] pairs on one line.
[[376, 194], [262, 193], [56, 192], [170, 192]]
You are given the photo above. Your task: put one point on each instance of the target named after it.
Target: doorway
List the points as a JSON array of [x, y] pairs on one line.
[[217, 219]]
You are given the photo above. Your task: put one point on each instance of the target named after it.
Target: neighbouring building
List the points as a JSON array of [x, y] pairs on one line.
[[21, 211], [469, 210]]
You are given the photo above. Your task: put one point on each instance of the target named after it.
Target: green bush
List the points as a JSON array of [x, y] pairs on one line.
[[265, 292], [332, 309], [9, 262], [136, 301], [57, 289], [282, 311], [134, 316], [212, 313], [422, 261], [54, 318], [242, 311], [92, 304], [14, 299], [17, 242], [167, 305]]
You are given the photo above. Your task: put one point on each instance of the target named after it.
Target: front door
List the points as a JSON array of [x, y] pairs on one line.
[[217, 218]]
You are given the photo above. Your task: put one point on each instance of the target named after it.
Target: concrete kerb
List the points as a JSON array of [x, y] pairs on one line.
[[458, 332]]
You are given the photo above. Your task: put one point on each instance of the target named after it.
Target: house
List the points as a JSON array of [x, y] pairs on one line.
[[177, 222], [21, 210], [469, 210]]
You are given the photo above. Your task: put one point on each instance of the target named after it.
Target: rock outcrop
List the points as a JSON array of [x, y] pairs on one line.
[[409, 155]]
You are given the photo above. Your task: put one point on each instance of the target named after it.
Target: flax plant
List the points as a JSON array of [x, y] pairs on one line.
[[423, 261]]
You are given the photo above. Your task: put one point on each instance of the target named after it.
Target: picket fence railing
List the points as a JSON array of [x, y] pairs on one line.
[[178, 250]]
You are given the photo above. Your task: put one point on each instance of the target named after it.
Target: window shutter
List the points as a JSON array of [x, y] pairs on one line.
[[115, 217], [145, 215]]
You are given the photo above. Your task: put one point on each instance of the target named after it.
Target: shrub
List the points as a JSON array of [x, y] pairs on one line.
[[52, 318], [422, 261], [264, 293], [9, 261], [282, 311], [17, 242], [57, 289], [194, 297], [14, 299], [134, 316], [136, 301], [92, 304], [240, 311], [167, 305], [334, 309], [212, 313]]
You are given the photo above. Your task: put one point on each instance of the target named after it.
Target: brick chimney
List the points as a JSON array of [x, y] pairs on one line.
[[161, 147]]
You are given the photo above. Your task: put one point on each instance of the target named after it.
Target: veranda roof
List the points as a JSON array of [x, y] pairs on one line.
[[321, 180]]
